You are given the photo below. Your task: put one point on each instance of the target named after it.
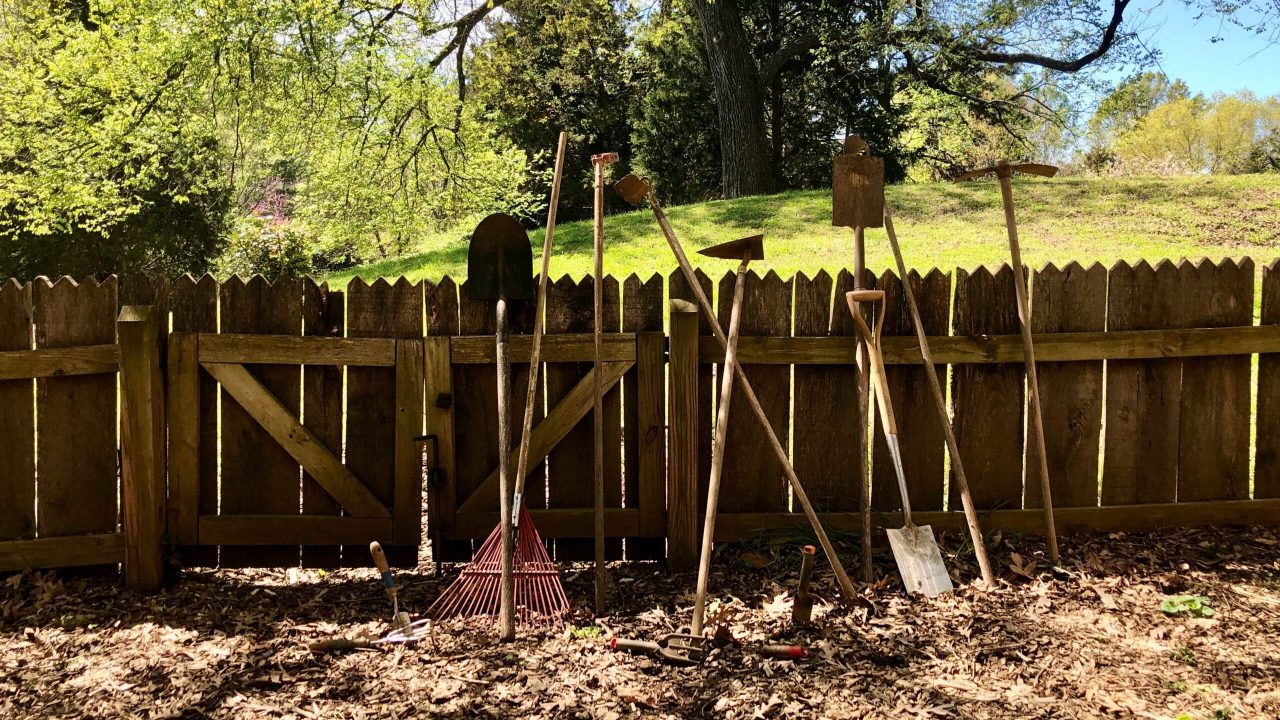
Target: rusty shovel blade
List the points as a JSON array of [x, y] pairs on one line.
[[747, 248], [499, 260]]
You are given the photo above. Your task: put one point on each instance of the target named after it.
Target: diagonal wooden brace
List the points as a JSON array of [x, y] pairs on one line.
[[562, 418], [298, 441]]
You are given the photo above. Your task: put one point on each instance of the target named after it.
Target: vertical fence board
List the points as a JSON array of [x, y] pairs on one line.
[[476, 411], [753, 478], [571, 465], [678, 289], [323, 315], [1266, 474], [384, 310], [442, 500], [853, 455], [1213, 459], [259, 476], [195, 310], [611, 302], [826, 401], [988, 399], [1071, 299], [17, 420], [1140, 459], [644, 441], [921, 436], [76, 422]]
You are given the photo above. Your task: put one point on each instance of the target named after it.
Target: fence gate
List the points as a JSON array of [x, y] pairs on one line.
[[272, 472], [461, 411]]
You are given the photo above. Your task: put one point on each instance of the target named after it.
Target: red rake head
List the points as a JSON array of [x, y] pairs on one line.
[[540, 597]]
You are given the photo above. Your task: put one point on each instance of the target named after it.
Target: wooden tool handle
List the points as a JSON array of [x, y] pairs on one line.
[[338, 645], [877, 359], [644, 646], [806, 569], [379, 557]]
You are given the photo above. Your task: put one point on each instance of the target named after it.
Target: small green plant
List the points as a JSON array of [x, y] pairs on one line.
[[587, 632], [1193, 605], [1184, 654], [1177, 686], [1222, 714]]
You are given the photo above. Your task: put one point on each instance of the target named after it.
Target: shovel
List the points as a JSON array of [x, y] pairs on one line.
[[914, 549], [500, 267]]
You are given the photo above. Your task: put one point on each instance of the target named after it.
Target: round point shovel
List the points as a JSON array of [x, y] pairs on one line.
[[914, 549]]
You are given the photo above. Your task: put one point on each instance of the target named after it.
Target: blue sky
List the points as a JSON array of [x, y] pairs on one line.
[[1240, 60]]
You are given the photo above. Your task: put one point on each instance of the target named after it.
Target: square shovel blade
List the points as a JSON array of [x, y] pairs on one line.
[[919, 560]]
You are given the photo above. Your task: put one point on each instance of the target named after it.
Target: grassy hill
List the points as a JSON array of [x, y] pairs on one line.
[[939, 224]]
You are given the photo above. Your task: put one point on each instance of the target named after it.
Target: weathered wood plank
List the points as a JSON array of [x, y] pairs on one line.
[[480, 350], [826, 399], [1071, 299], [570, 465], [303, 446], [304, 350], [271, 530], [611, 401], [678, 289], [571, 523], [442, 324], [996, 349], [475, 414], [195, 310], [1213, 442], [323, 317], [54, 552], [750, 467], [258, 475], [378, 310], [17, 419], [922, 438], [183, 413], [682, 438], [76, 421], [1116, 518], [644, 420], [1266, 473], [59, 362], [142, 445], [1140, 462], [407, 509], [988, 400]]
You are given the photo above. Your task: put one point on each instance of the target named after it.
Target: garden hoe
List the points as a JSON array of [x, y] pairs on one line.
[[873, 183], [1004, 170], [634, 189], [744, 251], [857, 201], [914, 549], [597, 415]]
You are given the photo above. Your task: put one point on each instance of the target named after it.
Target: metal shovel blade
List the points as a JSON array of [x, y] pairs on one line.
[[500, 260], [919, 560]]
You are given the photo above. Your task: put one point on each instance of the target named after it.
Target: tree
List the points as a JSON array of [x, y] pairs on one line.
[[1218, 134]]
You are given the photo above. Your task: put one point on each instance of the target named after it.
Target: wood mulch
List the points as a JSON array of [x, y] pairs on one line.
[[1086, 641]]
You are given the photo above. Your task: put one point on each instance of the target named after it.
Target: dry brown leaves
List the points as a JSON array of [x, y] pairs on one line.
[[1085, 641]]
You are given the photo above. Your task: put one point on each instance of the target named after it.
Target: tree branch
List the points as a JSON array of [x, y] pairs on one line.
[[1108, 39], [773, 65]]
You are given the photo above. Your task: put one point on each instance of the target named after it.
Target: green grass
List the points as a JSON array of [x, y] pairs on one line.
[[941, 225]]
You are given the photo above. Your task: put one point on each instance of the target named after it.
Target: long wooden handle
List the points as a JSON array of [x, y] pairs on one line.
[[522, 465], [940, 403], [506, 597], [1033, 382], [842, 578], [873, 349], [597, 414]]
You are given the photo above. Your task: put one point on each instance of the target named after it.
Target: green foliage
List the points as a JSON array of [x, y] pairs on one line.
[[1193, 605], [272, 249], [587, 632], [1198, 135], [554, 65], [675, 132]]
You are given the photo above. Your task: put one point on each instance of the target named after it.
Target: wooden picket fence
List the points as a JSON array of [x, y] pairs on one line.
[[290, 411]]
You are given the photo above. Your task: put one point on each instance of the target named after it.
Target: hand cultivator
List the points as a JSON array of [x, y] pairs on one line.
[[1004, 170]]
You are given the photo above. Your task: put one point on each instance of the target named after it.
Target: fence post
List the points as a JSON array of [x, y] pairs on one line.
[[142, 446], [682, 443]]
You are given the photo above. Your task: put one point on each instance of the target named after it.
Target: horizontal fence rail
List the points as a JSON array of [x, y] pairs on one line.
[[291, 410]]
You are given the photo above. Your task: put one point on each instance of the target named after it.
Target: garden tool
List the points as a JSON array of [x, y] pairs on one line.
[[675, 648], [874, 186], [500, 267], [802, 607], [744, 250], [597, 415], [411, 633], [1004, 170], [398, 619], [914, 549], [634, 189], [781, 652], [857, 201]]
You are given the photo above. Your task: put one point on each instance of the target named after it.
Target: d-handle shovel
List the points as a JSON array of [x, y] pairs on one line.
[[914, 548]]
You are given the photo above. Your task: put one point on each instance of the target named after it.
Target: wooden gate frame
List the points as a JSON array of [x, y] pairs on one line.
[[477, 514], [223, 356]]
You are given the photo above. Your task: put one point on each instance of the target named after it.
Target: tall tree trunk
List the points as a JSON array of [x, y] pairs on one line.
[[744, 145]]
